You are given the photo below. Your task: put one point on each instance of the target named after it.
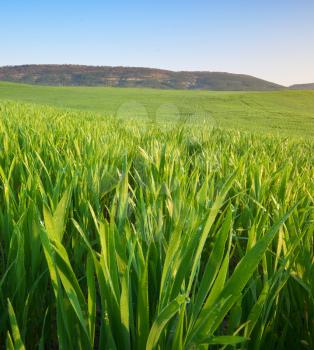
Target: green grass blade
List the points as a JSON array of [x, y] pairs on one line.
[[18, 342], [161, 321]]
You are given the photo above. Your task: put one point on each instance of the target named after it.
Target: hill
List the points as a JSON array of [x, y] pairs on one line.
[[302, 86], [77, 75]]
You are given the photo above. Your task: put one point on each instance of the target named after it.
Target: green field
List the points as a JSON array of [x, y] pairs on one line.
[[183, 234], [281, 112]]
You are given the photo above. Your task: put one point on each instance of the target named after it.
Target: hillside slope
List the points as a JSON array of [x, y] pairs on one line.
[[76, 75], [302, 87]]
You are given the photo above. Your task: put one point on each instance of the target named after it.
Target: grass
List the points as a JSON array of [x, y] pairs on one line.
[[172, 236], [289, 113]]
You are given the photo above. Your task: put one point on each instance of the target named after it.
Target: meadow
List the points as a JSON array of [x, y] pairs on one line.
[[176, 233], [283, 113]]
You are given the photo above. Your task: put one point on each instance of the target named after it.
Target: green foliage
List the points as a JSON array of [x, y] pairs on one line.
[[115, 236]]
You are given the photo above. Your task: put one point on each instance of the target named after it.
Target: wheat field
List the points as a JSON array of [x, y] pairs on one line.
[[172, 236]]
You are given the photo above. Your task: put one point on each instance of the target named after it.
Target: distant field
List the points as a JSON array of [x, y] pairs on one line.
[[280, 112]]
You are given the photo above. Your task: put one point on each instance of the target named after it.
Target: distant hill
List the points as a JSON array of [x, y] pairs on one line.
[[76, 75], [302, 87]]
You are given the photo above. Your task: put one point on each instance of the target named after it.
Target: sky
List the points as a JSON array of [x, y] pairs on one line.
[[270, 39]]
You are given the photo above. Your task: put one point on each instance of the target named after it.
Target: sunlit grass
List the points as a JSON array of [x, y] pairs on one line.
[[115, 236], [283, 113]]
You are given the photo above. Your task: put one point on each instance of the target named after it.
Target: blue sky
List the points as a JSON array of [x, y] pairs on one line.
[[271, 39]]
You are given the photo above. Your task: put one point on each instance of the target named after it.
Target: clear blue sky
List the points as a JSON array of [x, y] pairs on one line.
[[271, 39]]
